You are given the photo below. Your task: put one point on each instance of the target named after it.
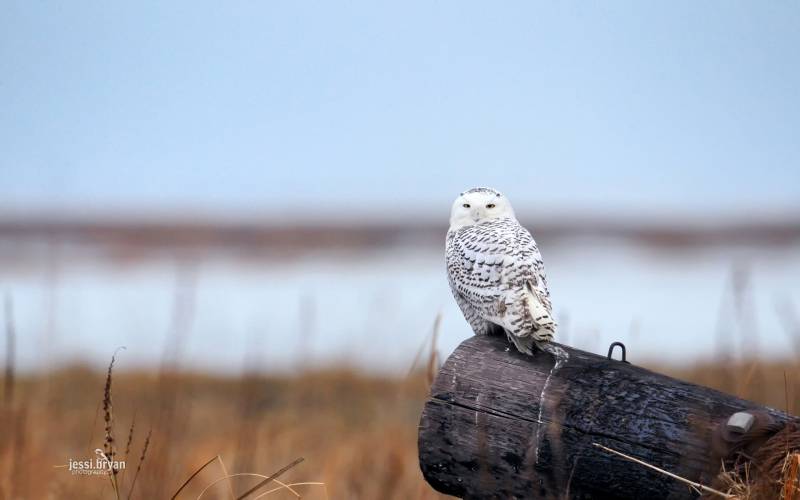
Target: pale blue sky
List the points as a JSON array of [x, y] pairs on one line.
[[620, 106]]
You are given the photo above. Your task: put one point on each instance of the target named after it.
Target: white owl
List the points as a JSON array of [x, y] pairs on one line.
[[496, 272]]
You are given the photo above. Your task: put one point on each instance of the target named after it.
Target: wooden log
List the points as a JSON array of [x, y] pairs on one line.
[[500, 424]]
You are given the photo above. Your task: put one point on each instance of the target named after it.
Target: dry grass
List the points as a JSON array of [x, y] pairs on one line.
[[357, 434], [791, 477]]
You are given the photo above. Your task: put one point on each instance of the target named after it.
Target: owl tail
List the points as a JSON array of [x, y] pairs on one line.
[[527, 345], [523, 344]]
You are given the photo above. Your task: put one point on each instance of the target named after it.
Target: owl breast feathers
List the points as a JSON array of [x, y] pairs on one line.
[[497, 277]]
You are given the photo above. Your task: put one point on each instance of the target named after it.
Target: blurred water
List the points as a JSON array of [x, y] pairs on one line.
[[375, 310]]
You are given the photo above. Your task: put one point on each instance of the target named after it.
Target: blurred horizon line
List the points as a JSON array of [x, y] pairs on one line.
[[173, 230]]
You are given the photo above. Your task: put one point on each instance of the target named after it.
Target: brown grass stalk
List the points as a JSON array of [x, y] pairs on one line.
[[8, 384], [194, 474], [791, 478], [128, 448], [225, 472], [269, 479], [108, 416], [139, 465], [697, 486], [433, 357], [282, 486]]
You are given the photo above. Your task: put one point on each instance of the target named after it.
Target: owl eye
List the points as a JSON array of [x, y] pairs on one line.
[[490, 205], [465, 205]]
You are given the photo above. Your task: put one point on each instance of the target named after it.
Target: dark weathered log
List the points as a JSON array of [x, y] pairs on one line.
[[500, 424]]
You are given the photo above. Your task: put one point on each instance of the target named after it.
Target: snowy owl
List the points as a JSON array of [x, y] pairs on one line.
[[496, 272]]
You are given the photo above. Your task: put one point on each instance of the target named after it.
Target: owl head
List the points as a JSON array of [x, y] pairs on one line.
[[479, 205]]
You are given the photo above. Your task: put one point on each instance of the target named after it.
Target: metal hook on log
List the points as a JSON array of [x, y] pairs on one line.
[[611, 351]]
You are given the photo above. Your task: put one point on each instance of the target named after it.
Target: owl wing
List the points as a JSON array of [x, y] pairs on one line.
[[528, 319], [529, 267]]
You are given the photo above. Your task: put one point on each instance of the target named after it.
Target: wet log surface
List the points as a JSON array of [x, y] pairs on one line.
[[499, 424]]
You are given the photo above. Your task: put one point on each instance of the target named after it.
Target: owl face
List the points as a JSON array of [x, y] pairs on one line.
[[479, 205]]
